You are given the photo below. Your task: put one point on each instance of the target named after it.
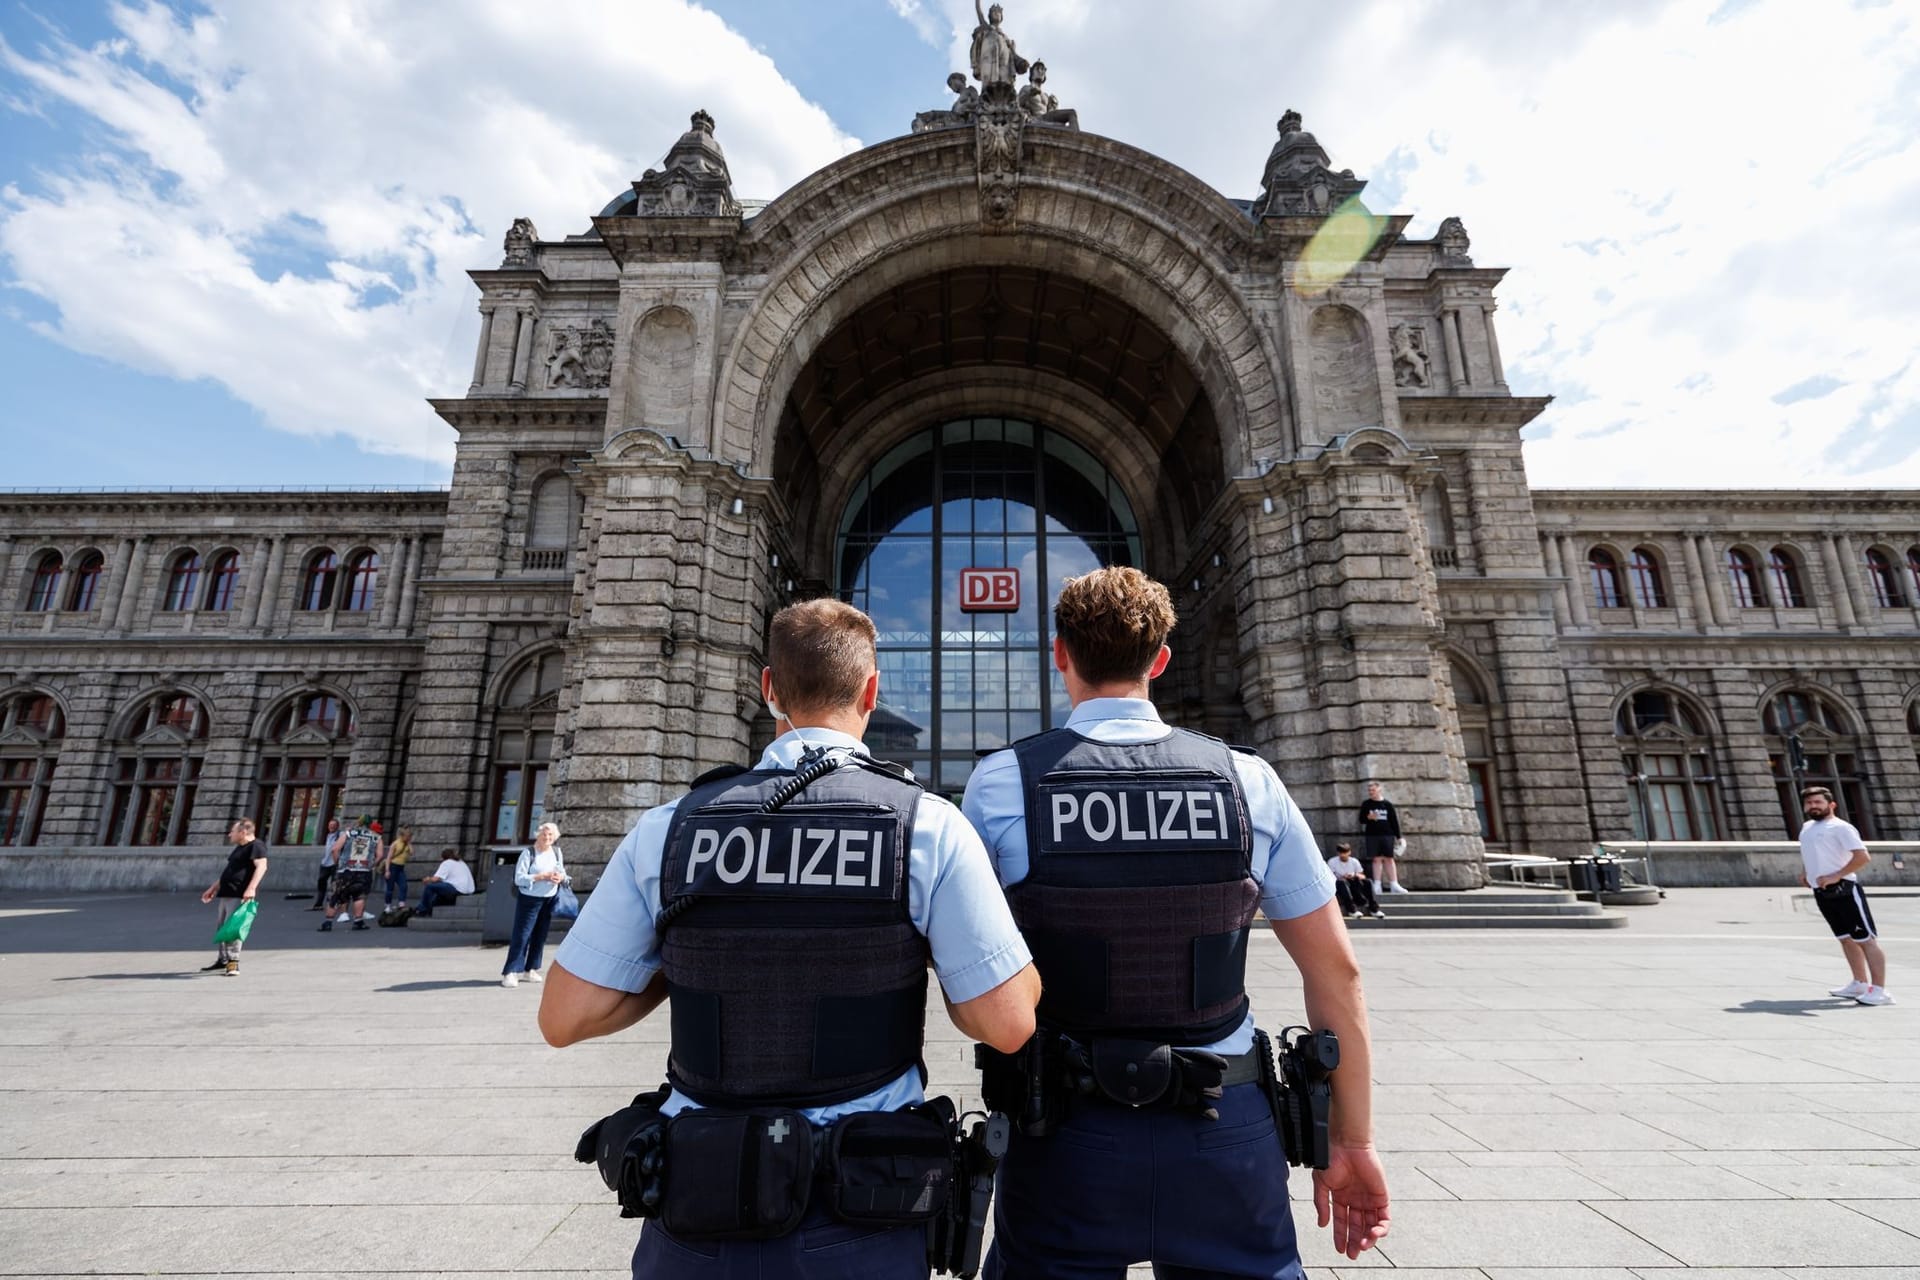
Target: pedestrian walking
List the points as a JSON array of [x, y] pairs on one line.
[[239, 882], [329, 855], [1380, 836], [537, 876], [1832, 855], [396, 868], [360, 849]]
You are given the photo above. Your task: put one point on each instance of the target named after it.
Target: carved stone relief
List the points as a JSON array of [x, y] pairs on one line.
[[518, 245], [1412, 366], [660, 384], [580, 356], [1346, 390]]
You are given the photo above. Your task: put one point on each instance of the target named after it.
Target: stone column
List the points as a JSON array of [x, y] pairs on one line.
[[117, 581], [9, 589], [1696, 583], [1576, 581], [270, 583], [1748, 793], [1717, 598], [389, 584], [1550, 554], [130, 590], [1865, 607], [410, 583], [1493, 347], [256, 579], [1458, 376], [480, 356], [522, 349], [1838, 587]]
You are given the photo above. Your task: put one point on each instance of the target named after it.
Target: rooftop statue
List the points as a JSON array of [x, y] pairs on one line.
[[1041, 106], [995, 61]]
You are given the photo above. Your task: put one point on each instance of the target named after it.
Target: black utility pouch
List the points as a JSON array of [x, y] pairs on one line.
[[1134, 1073], [737, 1175], [892, 1167], [626, 1147]]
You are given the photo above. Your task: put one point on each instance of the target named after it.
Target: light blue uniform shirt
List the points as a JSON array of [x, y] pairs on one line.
[[1287, 864], [952, 897]]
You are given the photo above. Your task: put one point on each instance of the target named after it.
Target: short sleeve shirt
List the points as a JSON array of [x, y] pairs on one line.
[[952, 899], [238, 872], [1287, 864], [1828, 845]]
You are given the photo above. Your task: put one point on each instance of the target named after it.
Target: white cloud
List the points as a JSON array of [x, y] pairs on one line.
[[288, 195], [1702, 204]]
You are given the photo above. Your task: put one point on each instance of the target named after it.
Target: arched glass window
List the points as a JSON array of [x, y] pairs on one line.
[[1609, 589], [1743, 576], [1648, 587], [1884, 578], [303, 767], [983, 493], [1667, 753], [1476, 735], [157, 771], [1785, 568], [183, 582], [318, 581], [363, 571], [1831, 749], [44, 592], [84, 590], [31, 728], [222, 577], [522, 748]]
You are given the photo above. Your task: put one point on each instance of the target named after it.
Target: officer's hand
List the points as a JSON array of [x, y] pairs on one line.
[[1351, 1194]]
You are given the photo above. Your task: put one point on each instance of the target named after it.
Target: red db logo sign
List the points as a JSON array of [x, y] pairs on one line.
[[989, 590]]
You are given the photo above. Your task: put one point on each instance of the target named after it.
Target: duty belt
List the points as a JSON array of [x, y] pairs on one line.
[[1034, 1085]]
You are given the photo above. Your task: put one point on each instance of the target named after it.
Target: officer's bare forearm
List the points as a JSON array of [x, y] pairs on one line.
[[1003, 1017], [1336, 1002], [573, 1009]]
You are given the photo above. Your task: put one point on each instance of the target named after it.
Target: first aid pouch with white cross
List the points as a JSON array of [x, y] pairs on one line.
[[737, 1175]]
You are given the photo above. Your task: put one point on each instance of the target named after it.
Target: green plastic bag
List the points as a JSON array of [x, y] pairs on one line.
[[236, 926]]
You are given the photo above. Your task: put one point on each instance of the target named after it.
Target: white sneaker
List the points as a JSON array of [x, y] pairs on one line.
[[1854, 988], [1874, 995], [532, 975], [1397, 887], [1377, 890], [511, 980]]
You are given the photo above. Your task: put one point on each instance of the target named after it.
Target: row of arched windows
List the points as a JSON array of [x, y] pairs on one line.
[[208, 584], [1779, 583]]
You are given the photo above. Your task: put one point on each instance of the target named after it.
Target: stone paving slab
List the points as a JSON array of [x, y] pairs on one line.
[[1675, 1098]]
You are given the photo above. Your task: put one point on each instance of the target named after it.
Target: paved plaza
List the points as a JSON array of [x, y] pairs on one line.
[[1586, 1106]]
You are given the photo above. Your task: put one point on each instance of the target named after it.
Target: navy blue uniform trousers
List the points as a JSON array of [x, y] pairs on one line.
[[819, 1249], [1114, 1186]]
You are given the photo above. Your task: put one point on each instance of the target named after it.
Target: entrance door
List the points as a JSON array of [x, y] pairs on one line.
[[976, 493]]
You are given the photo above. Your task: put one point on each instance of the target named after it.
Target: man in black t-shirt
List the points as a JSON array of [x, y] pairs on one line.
[[239, 881], [1380, 836]]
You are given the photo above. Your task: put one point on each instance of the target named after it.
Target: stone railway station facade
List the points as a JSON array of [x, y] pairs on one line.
[[998, 341]]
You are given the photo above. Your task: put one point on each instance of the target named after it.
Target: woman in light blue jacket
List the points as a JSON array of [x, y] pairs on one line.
[[538, 876]]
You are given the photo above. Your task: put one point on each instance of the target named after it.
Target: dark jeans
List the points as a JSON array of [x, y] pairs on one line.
[[436, 894], [818, 1249], [528, 943], [320, 887], [396, 884], [1113, 1186], [1355, 894]]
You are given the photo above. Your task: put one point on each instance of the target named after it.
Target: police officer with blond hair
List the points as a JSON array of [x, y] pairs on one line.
[[787, 915], [1135, 856]]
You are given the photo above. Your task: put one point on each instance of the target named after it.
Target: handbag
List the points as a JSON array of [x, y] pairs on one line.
[[566, 904], [236, 926]]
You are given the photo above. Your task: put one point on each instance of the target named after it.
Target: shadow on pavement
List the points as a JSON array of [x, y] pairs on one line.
[[131, 977], [441, 986], [1790, 1008], [71, 923]]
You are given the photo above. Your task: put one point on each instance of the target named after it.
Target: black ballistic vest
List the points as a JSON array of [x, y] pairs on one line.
[[794, 973], [1140, 890]]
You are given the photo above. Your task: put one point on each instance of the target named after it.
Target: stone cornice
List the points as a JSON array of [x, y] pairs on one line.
[[522, 411], [657, 238], [337, 506], [1291, 233], [1503, 411], [1667, 500]]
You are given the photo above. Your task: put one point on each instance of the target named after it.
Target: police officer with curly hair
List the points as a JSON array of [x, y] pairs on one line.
[[1135, 856], [787, 915]]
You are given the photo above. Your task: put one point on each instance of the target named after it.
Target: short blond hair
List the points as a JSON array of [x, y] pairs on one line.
[[1113, 622], [821, 653]]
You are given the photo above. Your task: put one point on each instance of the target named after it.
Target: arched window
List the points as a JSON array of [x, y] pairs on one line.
[[1743, 575], [31, 728], [44, 594], [1476, 735], [363, 572], [1609, 590], [183, 582], [552, 518], [1648, 586], [523, 747], [223, 575], [318, 581], [304, 758], [1913, 569], [1785, 568], [1888, 592], [1830, 749], [84, 590], [157, 771], [1667, 752]]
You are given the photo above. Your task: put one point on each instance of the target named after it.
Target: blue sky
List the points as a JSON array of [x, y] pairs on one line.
[[233, 236]]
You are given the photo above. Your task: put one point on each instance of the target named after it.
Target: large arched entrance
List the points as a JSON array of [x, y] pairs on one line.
[[973, 493]]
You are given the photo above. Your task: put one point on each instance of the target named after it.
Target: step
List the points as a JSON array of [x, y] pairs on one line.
[[1478, 896], [1600, 920], [1402, 904]]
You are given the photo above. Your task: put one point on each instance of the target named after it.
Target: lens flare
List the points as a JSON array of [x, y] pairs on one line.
[[1341, 243]]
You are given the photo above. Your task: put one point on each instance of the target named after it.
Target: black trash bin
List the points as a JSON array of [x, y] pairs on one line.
[[496, 926], [1595, 875]]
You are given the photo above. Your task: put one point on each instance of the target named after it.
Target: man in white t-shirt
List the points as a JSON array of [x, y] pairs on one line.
[[1832, 853], [449, 880], [1351, 886]]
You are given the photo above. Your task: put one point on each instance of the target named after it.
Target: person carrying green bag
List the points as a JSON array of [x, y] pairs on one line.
[[235, 889]]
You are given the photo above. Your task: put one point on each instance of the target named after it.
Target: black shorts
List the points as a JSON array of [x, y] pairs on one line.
[[348, 885], [1378, 846], [1845, 907]]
